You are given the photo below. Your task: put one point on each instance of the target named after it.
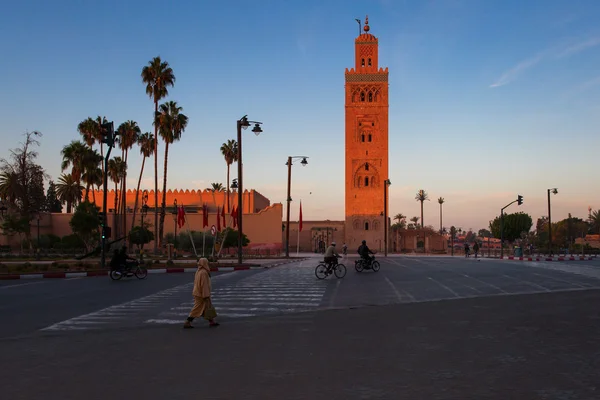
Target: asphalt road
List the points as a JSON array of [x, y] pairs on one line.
[[81, 305]]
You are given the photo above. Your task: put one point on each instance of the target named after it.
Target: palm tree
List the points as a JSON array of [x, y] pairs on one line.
[[171, 124], [88, 128], [116, 172], [92, 174], [401, 218], [229, 150], [415, 222], [10, 187], [74, 156], [129, 133], [68, 190], [98, 135], [215, 188], [157, 76], [441, 201], [146, 143], [595, 221], [422, 196]]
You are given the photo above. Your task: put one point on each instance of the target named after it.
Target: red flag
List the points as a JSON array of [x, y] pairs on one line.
[[223, 217], [234, 216], [218, 220], [181, 217], [300, 218], [204, 216]]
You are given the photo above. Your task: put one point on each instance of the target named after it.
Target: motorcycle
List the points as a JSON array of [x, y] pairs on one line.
[[128, 270], [361, 265]]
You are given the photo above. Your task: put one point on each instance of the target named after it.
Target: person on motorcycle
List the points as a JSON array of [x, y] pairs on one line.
[[124, 260], [331, 255], [364, 252]]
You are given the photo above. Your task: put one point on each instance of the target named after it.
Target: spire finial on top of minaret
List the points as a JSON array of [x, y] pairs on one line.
[[366, 28]]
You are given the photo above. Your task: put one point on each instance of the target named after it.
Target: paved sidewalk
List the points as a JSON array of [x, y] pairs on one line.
[[544, 346]]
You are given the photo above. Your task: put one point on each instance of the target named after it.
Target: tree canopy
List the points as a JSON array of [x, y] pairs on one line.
[[514, 224]]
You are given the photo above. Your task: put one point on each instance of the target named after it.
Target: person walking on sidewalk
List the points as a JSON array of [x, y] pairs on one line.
[[476, 248], [202, 300]]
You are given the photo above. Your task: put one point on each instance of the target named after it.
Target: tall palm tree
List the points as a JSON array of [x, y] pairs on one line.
[[68, 190], [92, 174], [98, 135], [88, 128], [441, 201], [146, 143], [129, 133], [595, 221], [74, 156], [422, 196], [116, 172], [401, 218], [229, 150], [157, 76], [171, 124]]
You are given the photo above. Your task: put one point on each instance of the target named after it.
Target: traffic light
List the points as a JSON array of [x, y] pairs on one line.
[[108, 134], [519, 199], [101, 218], [106, 231]]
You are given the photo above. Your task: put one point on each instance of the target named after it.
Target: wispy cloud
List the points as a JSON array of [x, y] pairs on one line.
[[555, 52], [514, 72]]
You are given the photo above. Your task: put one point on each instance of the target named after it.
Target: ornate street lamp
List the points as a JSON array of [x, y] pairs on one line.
[[386, 183], [242, 123], [304, 162]]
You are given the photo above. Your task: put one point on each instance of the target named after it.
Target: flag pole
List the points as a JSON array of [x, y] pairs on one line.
[[189, 232]]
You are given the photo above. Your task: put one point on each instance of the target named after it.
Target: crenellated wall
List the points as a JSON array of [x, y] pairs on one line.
[[253, 201]]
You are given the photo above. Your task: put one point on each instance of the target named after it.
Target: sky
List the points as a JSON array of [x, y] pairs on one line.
[[487, 99]]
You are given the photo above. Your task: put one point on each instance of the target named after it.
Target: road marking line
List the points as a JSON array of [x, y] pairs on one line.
[[563, 280], [528, 283], [444, 286], [20, 284], [485, 283]]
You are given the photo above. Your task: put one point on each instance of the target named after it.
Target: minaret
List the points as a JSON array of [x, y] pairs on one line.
[[366, 143]]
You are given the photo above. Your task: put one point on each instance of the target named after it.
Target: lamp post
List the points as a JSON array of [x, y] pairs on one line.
[[242, 123], [175, 221], [386, 183], [144, 207], [289, 199], [554, 191]]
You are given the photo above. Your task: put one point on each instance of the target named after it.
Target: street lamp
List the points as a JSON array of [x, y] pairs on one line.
[[553, 191], [289, 199], [242, 123], [175, 221], [386, 183]]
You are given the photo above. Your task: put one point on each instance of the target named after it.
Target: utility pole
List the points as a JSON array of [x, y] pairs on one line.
[[108, 137]]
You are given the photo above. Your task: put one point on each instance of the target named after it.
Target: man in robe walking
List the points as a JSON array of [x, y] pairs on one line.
[[202, 302]]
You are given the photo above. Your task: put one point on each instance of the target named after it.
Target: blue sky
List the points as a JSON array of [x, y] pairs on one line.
[[488, 99]]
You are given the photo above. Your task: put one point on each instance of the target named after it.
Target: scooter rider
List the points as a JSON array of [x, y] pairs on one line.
[[364, 252]]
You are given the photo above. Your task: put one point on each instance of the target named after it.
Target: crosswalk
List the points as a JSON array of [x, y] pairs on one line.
[[285, 289], [281, 290]]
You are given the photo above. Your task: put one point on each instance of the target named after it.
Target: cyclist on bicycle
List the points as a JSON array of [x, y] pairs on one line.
[[331, 255], [364, 252]]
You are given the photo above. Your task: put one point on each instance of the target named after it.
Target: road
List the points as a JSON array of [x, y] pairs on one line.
[[520, 327]]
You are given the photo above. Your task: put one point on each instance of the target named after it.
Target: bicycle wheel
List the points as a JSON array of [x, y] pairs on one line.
[[358, 266], [115, 275], [141, 273], [375, 266], [340, 270], [321, 271]]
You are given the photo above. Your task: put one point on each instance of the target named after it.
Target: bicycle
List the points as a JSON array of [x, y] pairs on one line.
[[323, 270]]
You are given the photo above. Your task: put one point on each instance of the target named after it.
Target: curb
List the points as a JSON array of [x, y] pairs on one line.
[[511, 258], [285, 262], [89, 274]]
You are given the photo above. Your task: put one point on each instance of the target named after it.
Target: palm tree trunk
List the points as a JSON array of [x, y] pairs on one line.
[[115, 210], [87, 192], [69, 207], [137, 191], [164, 195], [103, 172], [422, 222], [124, 197], [440, 219], [94, 194], [156, 237], [228, 188]]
